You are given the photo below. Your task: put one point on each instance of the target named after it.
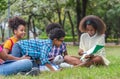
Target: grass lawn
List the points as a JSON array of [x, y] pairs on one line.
[[110, 72]]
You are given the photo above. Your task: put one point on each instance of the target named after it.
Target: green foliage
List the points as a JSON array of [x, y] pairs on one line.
[[3, 5], [111, 40], [46, 11], [67, 38], [109, 11], [70, 39]]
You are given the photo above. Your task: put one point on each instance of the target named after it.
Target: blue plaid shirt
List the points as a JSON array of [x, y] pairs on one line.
[[37, 49]]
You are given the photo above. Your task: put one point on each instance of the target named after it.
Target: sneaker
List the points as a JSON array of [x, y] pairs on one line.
[[58, 59], [21, 73], [92, 66], [65, 65], [34, 72], [45, 68]]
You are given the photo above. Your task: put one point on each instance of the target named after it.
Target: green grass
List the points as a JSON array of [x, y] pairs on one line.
[[110, 72]]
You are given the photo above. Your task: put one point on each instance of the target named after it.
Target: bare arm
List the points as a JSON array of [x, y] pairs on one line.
[[50, 67], [51, 58], [5, 56], [80, 52], [6, 50]]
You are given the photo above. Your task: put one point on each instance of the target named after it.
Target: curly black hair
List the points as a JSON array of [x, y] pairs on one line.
[[95, 21], [14, 23], [56, 33], [52, 26]]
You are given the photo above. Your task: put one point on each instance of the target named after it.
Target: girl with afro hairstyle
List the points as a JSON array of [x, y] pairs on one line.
[[93, 29], [17, 25]]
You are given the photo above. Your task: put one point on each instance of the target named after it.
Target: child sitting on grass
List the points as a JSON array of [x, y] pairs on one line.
[[17, 25], [10, 65], [58, 52], [94, 34]]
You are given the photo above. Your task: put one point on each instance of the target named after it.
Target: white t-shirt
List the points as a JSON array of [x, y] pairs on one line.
[[87, 42]]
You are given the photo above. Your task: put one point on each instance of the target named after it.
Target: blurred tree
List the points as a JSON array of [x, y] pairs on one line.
[[68, 13]]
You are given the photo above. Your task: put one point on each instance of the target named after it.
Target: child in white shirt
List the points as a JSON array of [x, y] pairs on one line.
[[93, 29]]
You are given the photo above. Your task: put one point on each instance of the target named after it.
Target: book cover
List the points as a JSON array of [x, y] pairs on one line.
[[93, 50]]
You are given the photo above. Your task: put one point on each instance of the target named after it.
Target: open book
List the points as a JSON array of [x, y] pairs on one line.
[[93, 50]]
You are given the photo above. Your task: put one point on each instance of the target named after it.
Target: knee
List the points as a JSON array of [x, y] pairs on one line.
[[66, 58], [98, 60], [27, 63]]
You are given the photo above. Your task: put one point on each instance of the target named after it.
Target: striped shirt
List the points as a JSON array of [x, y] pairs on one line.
[[37, 49]]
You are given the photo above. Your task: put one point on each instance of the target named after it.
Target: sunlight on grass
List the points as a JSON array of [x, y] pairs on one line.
[[110, 72]]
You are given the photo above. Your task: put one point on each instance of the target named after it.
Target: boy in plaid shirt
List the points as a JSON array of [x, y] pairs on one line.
[[56, 51]]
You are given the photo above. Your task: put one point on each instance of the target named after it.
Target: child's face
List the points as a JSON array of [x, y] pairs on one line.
[[90, 30], [58, 42], [20, 32]]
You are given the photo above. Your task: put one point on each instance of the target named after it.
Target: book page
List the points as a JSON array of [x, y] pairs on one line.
[[93, 50]]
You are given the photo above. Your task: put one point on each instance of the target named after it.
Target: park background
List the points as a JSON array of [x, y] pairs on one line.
[[39, 13]]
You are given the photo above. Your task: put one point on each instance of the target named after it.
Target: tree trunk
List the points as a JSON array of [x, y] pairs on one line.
[[64, 19], [81, 12], [34, 30], [59, 13], [29, 18], [78, 11], [73, 33], [2, 33], [84, 6]]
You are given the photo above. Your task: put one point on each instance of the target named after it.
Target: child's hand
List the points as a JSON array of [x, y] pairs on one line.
[[80, 52], [89, 56], [25, 57], [50, 67], [51, 58]]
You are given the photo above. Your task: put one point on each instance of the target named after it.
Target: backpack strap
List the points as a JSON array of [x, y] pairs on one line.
[[11, 45]]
